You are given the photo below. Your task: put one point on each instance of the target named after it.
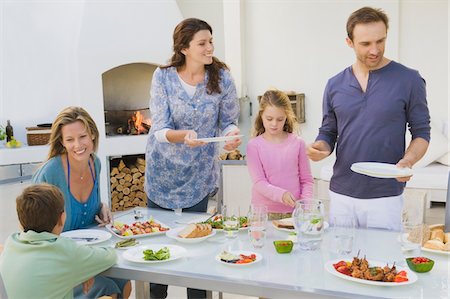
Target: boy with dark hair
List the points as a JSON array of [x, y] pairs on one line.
[[37, 262]]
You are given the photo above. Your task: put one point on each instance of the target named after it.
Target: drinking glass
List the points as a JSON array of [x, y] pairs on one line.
[[230, 221], [257, 220], [411, 235], [309, 223], [343, 228]]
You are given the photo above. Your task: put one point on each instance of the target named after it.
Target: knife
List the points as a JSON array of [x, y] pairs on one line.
[[87, 239]]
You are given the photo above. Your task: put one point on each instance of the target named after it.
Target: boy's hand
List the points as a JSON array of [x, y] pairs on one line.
[[87, 285], [104, 217]]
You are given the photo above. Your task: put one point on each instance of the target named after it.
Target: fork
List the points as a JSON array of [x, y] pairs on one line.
[[87, 239]]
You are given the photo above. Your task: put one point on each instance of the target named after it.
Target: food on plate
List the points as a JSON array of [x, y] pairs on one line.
[[420, 264], [283, 246], [284, 223], [126, 243], [360, 268], [216, 222], [435, 239], [137, 228], [231, 258], [151, 255], [196, 230]]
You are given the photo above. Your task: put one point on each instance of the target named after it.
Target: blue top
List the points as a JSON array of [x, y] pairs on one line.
[[370, 126], [178, 176], [78, 215]]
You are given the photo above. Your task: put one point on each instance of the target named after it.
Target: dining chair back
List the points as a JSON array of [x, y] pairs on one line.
[[447, 207]]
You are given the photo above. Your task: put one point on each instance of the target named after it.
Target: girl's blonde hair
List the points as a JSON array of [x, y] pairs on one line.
[[277, 99], [67, 116]]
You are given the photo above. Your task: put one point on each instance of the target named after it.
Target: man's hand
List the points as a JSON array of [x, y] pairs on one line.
[[288, 199], [404, 163], [232, 144], [104, 217], [318, 150], [87, 285], [189, 139]]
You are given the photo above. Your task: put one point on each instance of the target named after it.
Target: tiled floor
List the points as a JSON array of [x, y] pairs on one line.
[[8, 224]]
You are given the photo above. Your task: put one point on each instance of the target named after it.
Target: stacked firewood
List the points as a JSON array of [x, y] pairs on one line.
[[127, 186]]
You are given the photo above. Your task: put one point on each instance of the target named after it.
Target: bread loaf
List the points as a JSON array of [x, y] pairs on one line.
[[434, 244], [195, 230], [447, 238], [447, 246], [437, 235]]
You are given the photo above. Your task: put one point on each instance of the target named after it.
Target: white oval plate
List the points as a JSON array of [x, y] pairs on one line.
[[79, 236], [412, 277], [237, 252], [436, 251], [381, 170], [219, 139], [173, 234], [325, 226], [136, 254]]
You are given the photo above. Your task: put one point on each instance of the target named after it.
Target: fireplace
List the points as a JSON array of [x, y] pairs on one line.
[[126, 95]]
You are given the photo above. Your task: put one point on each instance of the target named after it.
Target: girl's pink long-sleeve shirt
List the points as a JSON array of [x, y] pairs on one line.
[[276, 168]]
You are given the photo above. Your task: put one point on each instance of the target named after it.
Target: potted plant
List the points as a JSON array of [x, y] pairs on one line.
[[2, 133]]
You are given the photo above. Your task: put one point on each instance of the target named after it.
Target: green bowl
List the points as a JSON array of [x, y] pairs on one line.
[[420, 267], [283, 246]]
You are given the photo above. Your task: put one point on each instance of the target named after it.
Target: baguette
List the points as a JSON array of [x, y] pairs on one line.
[[189, 231], [195, 230]]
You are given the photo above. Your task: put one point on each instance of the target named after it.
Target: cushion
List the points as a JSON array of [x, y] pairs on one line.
[[437, 148]]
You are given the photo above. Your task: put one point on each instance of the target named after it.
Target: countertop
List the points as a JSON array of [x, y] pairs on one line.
[[24, 154]]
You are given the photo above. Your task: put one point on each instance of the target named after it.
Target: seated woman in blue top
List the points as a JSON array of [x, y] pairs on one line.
[[73, 167]]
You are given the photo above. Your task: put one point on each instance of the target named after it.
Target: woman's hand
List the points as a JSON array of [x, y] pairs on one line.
[[189, 139], [232, 144], [87, 285], [288, 199], [104, 217]]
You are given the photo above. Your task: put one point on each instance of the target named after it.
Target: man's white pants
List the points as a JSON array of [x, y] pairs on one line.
[[384, 212]]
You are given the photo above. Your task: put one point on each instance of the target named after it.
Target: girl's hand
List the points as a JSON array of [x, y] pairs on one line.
[[104, 217], [288, 199], [189, 139], [232, 144]]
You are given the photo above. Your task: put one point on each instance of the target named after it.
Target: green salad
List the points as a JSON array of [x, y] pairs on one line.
[[162, 254], [217, 221]]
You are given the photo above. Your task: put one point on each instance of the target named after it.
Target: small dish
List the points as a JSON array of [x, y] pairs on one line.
[[283, 246], [420, 264]]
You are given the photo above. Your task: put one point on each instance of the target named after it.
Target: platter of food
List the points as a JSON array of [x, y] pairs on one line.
[[371, 272], [192, 233], [238, 258], [87, 236], [434, 239], [287, 225], [381, 170], [216, 222], [154, 253], [138, 229], [219, 139]]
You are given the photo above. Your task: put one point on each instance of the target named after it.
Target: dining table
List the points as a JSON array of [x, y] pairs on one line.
[[288, 275]]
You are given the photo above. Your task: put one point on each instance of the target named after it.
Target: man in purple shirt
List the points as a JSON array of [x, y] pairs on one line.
[[366, 109]]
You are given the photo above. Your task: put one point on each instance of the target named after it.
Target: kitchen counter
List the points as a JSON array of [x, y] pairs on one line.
[[22, 155]]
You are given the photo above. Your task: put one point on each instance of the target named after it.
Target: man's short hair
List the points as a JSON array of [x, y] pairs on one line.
[[366, 15], [39, 207]]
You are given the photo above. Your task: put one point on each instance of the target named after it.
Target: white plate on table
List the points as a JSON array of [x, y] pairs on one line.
[[136, 254], [259, 257], [292, 230], [412, 277], [219, 139], [173, 234], [381, 170], [87, 236], [112, 230], [436, 251]]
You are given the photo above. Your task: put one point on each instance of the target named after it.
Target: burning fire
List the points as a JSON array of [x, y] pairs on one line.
[[138, 124]]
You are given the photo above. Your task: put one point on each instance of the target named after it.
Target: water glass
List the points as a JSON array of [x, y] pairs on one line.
[[257, 220], [309, 223], [343, 228], [230, 221], [412, 230]]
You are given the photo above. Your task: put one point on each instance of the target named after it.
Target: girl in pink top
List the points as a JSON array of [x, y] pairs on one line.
[[276, 156]]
